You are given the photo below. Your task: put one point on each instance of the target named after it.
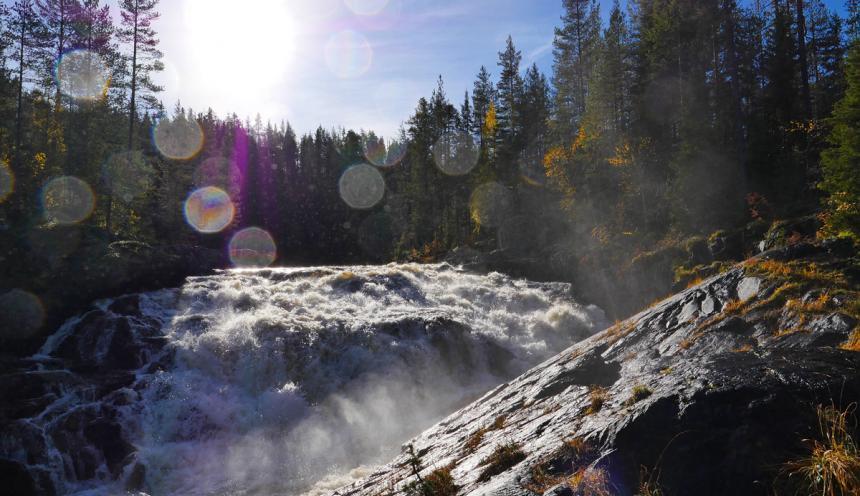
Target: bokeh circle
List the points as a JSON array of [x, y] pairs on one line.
[[348, 54], [178, 138], [129, 175], [209, 210], [252, 247], [490, 204], [21, 314], [456, 153], [362, 186], [384, 154], [67, 200], [83, 75]]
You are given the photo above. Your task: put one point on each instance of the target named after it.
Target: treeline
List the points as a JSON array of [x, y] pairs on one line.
[[674, 118]]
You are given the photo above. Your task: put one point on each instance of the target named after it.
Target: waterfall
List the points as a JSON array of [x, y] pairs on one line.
[[276, 381]]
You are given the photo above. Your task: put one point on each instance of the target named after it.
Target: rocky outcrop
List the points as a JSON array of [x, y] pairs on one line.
[[68, 267], [708, 392]]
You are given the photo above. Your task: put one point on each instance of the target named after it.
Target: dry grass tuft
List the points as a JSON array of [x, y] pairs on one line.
[[853, 343], [592, 481], [818, 305], [477, 437], [649, 483], [597, 396], [832, 467], [504, 457], [438, 483], [640, 392]]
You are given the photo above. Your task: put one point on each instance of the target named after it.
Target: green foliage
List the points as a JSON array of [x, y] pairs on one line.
[[841, 163]]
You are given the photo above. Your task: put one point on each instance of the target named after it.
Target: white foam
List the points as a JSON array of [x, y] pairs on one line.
[[285, 380]]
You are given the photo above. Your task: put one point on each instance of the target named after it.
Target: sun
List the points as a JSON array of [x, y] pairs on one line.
[[240, 47]]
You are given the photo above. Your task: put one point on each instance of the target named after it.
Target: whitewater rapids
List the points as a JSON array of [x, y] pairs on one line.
[[285, 381]]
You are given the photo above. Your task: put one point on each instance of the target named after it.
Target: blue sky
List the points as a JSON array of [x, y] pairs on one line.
[[359, 64]]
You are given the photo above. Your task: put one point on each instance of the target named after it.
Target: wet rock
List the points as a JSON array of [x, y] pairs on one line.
[[748, 288], [17, 479]]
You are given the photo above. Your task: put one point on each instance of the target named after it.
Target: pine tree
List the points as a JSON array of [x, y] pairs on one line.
[[145, 58], [852, 20], [574, 47], [508, 111], [27, 31], [841, 162], [59, 17], [483, 97]]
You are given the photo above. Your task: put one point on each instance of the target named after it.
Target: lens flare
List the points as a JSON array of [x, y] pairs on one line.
[[252, 247], [456, 153], [83, 75], [7, 182], [348, 54], [382, 154], [179, 138], [21, 314], [67, 200], [362, 186], [490, 204], [209, 210], [366, 7], [128, 175]]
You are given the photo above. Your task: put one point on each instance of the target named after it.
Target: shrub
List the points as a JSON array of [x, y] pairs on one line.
[[504, 457]]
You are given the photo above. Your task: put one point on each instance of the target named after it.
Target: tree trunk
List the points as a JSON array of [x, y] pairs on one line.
[[802, 59]]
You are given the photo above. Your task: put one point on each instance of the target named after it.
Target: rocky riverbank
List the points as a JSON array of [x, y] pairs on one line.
[[709, 392]]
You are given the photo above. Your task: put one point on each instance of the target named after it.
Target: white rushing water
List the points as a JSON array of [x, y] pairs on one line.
[[285, 381]]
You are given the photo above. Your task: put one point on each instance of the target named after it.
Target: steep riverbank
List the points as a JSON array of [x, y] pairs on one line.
[[709, 392]]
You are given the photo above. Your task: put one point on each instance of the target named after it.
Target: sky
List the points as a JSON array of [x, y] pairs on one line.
[[357, 64]]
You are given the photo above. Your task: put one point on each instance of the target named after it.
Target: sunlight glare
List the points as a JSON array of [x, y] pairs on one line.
[[240, 47], [348, 54]]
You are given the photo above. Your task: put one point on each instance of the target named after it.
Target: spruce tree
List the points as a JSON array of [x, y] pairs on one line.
[[841, 163]]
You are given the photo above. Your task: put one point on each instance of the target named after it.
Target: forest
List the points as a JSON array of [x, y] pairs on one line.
[[672, 119]]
